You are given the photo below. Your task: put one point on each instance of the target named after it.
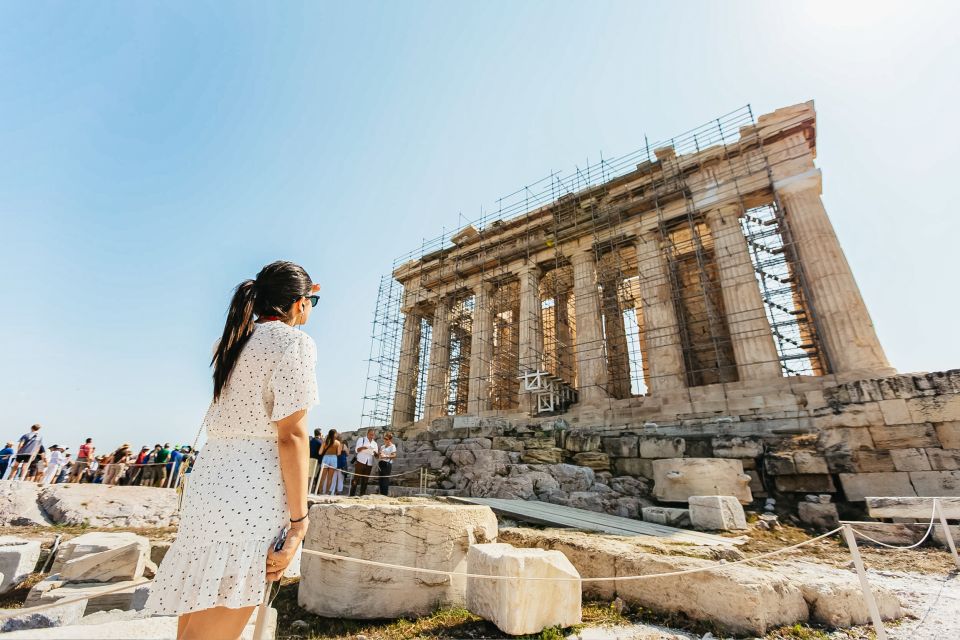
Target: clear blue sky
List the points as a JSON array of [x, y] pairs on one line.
[[152, 155]]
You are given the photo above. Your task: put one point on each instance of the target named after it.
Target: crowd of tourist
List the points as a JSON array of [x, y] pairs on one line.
[[29, 460]]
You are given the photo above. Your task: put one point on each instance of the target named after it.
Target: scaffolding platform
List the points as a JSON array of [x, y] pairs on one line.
[[555, 515]]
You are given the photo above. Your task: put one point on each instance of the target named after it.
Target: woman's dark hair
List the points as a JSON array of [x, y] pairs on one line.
[[277, 286], [329, 440]]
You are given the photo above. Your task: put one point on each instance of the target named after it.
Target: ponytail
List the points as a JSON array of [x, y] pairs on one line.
[[236, 332]]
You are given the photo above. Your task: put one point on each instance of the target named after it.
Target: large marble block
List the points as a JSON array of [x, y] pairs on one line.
[[402, 531], [717, 513], [121, 563], [18, 558], [96, 542], [520, 607], [675, 480]]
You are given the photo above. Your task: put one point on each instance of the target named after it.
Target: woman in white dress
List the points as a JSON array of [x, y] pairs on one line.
[[250, 481]]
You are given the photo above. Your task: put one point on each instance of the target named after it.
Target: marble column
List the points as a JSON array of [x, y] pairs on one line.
[[438, 375], [661, 330], [481, 349], [754, 350], [405, 396], [563, 349], [845, 328], [591, 358], [618, 359], [531, 332]]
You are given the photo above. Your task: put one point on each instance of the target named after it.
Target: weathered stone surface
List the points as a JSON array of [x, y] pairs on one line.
[[780, 463], [736, 447], [506, 443], [629, 486], [95, 542], [916, 508], [153, 628], [717, 513], [904, 436], [110, 506], [845, 438], [542, 456], [948, 433], [943, 459], [593, 459], [621, 447], [857, 486], [805, 483], [835, 598], [158, 550], [126, 562], [18, 558], [662, 447], [579, 441], [633, 467], [668, 516], [520, 606], [818, 515], [808, 462], [55, 617], [587, 500], [678, 479], [936, 483], [411, 532], [18, 504], [573, 478], [53, 589], [910, 460]]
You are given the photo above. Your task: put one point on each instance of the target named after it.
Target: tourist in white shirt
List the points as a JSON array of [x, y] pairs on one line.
[[388, 453], [53, 464], [366, 450]]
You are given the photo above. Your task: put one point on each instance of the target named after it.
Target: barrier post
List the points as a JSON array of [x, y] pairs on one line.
[[851, 539], [946, 532]]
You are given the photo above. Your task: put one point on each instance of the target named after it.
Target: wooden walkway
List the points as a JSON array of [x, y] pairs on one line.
[[554, 515]]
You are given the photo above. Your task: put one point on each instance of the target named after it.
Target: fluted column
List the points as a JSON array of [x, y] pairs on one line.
[[591, 359], [438, 375], [563, 347], [664, 354], [618, 359], [481, 349], [753, 348], [531, 332], [405, 397], [845, 328]]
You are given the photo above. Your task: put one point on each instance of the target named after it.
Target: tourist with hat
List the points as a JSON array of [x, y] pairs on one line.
[[54, 463]]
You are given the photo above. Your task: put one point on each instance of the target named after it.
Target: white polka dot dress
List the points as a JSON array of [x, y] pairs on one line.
[[235, 504]]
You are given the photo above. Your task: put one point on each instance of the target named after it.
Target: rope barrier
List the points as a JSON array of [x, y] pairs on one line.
[[933, 518], [717, 567], [16, 613]]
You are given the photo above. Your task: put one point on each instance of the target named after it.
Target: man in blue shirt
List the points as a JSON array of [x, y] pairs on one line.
[[6, 456], [173, 466]]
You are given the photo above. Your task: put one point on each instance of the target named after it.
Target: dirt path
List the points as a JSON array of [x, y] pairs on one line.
[[933, 601]]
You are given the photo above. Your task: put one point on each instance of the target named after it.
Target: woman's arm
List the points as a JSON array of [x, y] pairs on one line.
[[294, 444]]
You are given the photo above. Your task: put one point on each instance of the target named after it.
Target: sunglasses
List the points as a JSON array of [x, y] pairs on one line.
[[313, 300]]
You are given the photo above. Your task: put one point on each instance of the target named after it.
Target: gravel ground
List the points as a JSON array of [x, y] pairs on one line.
[[933, 601]]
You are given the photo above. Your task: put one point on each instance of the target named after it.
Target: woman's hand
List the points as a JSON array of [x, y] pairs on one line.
[[278, 561]]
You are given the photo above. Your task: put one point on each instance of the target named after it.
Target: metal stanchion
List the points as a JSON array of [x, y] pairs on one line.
[[851, 539]]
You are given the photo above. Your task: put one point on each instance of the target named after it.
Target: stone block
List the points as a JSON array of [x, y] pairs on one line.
[[621, 446], [18, 559], [593, 459], [100, 505], [910, 460], [507, 443], [633, 467], [904, 436], [54, 617], [872, 461], [822, 517], [580, 441], [918, 509], [943, 459], [845, 438], [542, 456], [95, 542], [717, 513], [779, 463], [675, 480], [858, 486], [661, 447], [407, 531], [18, 504], [948, 433], [807, 462], [895, 412], [851, 416], [936, 483], [51, 590], [667, 516], [736, 447], [805, 483], [941, 408], [126, 562], [519, 607]]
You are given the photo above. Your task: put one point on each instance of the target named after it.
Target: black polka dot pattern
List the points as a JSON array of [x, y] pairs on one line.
[[235, 504]]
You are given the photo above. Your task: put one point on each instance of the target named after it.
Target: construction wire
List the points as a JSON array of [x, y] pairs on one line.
[[933, 517]]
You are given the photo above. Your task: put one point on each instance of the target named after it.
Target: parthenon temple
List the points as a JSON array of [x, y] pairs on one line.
[[707, 259]]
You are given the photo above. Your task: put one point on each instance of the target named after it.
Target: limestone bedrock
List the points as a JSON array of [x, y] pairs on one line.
[[520, 607], [415, 532]]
